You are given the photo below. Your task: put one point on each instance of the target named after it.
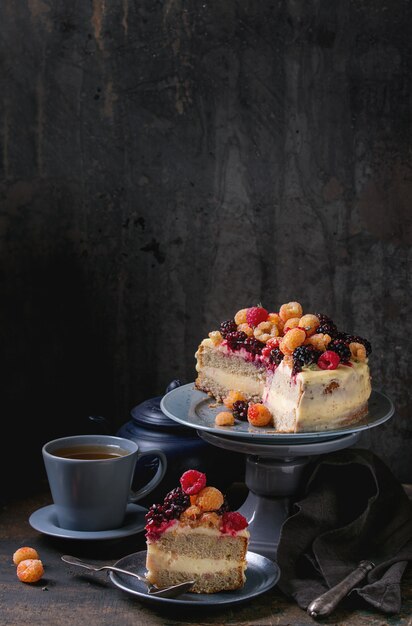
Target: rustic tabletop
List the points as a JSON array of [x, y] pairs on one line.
[[68, 595]]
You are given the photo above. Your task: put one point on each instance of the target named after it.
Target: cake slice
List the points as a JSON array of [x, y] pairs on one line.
[[307, 374], [192, 535]]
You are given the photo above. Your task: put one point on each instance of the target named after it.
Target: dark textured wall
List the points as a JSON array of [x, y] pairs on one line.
[[165, 163]]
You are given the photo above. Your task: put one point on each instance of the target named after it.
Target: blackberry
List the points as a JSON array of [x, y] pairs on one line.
[[341, 348], [239, 409], [174, 503], [227, 327], [236, 339], [357, 339], [254, 346], [324, 318], [276, 356], [304, 355], [225, 508], [155, 514], [327, 328]]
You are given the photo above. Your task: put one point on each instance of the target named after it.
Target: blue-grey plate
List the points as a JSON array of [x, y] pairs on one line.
[[196, 409], [45, 521], [261, 575]]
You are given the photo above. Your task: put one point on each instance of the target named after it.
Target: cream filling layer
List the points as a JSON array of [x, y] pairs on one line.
[[234, 381], [159, 560]]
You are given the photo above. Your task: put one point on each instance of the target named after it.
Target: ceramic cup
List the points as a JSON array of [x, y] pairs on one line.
[[90, 479]]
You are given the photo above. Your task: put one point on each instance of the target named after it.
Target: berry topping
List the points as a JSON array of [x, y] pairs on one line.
[[327, 328], [328, 360], [304, 355], [255, 315], [236, 339], [175, 502], [340, 347], [240, 408], [209, 499], [227, 327], [233, 522], [254, 346], [356, 339], [276, 356], [192, 482]]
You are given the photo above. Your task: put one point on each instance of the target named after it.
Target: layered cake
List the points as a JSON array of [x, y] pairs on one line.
[[287, 370], [193, 535]]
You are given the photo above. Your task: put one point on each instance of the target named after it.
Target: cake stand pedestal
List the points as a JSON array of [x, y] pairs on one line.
[[273, 475]]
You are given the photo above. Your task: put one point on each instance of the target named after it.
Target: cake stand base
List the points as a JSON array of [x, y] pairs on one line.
[[273, 476]]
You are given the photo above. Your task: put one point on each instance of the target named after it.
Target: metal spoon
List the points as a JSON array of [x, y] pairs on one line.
[[166, 592]]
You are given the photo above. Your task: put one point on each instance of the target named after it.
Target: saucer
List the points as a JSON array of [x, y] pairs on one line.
[[261, 575], [45, 521]]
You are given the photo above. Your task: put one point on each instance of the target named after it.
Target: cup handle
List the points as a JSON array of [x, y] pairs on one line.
[[134, 496]]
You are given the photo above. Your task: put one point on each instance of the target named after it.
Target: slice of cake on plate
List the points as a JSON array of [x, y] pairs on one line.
[[285, 370], [192, 535]]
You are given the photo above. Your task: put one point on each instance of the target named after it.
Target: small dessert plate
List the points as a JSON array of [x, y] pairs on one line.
[[261, 575], [45, 521]]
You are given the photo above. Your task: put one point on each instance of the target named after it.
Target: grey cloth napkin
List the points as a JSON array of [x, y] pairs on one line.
[[352, 508]]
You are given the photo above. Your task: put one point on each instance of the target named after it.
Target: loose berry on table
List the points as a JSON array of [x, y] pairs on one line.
[[30, 570], [24, 553]]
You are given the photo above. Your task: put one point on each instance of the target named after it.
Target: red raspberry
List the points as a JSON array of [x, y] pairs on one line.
[[233, 521], [328, 360], [192, 482], [255, 315]]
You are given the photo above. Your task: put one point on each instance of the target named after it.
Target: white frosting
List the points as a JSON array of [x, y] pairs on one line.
[[316, 399]]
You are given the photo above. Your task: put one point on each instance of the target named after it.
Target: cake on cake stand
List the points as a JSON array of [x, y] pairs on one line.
[[275, 462]]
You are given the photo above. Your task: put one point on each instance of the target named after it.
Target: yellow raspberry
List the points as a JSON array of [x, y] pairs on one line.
[[358, 351], [309, 323], [232, 397], [210, 519], [215, 337], [290, 309], [224, 418], [30, 570], [258, 414], [192, 512], [245, 328], [209, 499], [240, 317], [24, 553]]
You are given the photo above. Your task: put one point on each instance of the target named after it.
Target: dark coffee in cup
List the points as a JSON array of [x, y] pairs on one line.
[[91, 476], [90, 453]]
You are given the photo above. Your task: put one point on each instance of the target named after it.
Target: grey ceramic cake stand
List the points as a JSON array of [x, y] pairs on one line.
[[275, 462], [273, 474]]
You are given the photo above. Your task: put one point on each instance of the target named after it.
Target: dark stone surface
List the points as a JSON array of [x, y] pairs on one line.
[[164, 164]]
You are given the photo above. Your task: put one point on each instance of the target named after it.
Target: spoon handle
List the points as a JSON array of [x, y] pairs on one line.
[[72, 560]]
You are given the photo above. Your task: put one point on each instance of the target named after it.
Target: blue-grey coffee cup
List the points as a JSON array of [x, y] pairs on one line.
[[93, 494]]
